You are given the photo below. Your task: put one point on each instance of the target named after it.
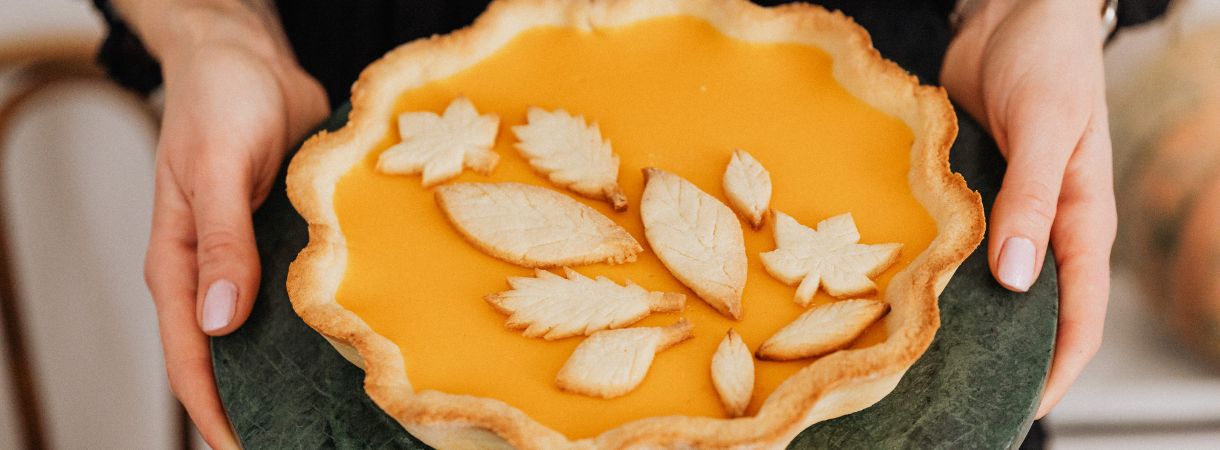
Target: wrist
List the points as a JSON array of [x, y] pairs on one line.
[[984, 16], [171, 29], [973, 14]]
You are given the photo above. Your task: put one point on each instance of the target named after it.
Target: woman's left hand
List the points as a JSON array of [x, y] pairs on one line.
[[1031, 72]]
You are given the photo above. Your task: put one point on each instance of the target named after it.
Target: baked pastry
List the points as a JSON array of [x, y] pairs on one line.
[[572, 154], [747, 184], [822, 329], [697, 237], [830, 258], [439, 146], [611, 363], [533, 226], [674, 84], [553, 307], [733, 374]]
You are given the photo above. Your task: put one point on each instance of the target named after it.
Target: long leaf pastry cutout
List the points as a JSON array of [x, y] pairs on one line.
[[611, 363], [534, 227], [830, 257], [439, 146], [733, 374], [572, 154], [822, 329], [748, 187], [697, 238], [553, 307]]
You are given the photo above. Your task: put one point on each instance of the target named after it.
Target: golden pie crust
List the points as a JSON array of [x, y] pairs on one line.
[[832, 386]]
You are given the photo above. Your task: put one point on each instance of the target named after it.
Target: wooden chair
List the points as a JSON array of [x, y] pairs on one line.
[[30, 71]]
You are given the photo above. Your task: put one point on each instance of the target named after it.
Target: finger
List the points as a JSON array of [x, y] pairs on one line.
[[170, 273], [961, 72], [315, 107], [1082, 239], [226, 254], [1038, 146]]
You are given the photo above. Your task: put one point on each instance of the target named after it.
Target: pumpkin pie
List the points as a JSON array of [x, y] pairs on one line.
[[411, 278]]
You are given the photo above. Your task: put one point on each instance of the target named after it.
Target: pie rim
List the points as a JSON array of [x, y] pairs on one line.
[[835, 385]]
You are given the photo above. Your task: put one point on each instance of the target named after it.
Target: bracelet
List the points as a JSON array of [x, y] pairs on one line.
[[1109, 19], [964, 8]]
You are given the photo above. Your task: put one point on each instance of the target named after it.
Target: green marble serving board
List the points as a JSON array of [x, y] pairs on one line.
[[977, 385]]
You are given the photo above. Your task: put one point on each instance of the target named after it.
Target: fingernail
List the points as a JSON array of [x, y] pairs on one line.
[[219, 305], [1017, 263]]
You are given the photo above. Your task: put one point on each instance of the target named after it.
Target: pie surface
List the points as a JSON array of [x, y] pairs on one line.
[[671, 92]]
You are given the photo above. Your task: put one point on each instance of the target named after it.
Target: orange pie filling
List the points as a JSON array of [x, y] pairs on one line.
[[673, 93]]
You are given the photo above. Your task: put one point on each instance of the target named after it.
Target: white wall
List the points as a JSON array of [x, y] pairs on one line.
[[77, 195], [35, 20], [77, 189]]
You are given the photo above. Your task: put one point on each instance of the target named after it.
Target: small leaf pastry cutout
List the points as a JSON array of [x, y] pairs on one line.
[[534, 227], [571, 154], [611, 363], [748, 186], [822, 329], [553, 307], [697, 238], [439, 146], [830, 257], [733, 374]]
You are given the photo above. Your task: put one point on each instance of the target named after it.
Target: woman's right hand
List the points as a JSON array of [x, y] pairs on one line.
[[235, 99]]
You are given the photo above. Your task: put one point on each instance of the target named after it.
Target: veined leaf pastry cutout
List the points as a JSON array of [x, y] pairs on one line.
[[830, 257], [747, 184], [439, 146], [733, 374], [554, 307], [822, 329], [533, 226], [612, 363], [697, 238], [572, 154]]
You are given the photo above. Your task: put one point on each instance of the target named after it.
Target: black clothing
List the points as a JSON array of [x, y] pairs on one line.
[[334, 40]]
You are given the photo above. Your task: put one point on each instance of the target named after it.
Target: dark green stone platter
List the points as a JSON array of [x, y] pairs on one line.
[[977, 386]]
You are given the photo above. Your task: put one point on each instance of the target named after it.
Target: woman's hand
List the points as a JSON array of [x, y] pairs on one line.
[[235, 99], [1031, 72]]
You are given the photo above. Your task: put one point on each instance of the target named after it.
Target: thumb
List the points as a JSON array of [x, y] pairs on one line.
[[227, 257], [1038, 148]]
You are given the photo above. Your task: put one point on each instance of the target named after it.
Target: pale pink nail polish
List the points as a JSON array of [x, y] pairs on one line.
[[1017, 263], [219, 305]]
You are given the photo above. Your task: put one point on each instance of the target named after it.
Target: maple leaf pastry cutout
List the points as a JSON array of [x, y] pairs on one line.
[[830, 257], [572, 154], [439, 146], [554, 307]]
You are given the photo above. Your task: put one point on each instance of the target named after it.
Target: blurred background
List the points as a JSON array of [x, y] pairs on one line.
[[81, 364]]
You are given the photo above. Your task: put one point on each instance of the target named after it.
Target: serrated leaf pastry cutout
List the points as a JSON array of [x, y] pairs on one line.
[[733, 374], [697, 238], [439, 146], [747, 184], [554, 307], [533, 226], [822, 329], [831, 258], [572, 154], [612, 363]]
